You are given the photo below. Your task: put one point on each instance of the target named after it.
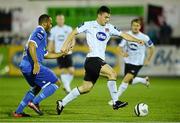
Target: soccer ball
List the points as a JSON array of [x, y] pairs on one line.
[[141, 109]]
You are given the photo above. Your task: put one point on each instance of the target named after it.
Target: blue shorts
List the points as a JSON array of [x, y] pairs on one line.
[[42, 79]]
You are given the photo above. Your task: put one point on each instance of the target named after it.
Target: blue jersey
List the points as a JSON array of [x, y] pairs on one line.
[[45, 75], [39, 37]]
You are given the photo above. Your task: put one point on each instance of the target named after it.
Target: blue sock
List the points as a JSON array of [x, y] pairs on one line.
[[46, 92], [28, 97]]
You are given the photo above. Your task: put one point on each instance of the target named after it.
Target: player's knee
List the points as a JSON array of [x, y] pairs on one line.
[[71, 71], [128, 78], [112, 75]]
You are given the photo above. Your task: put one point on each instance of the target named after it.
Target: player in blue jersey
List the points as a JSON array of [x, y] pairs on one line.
[[38, 76]]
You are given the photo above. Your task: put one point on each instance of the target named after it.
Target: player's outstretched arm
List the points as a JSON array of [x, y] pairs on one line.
[[131, 38], [50, 47], [32, 51], [150, 53], [70, 42], [54, 55]]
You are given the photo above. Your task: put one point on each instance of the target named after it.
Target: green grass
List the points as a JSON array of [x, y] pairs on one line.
[[163, 98]]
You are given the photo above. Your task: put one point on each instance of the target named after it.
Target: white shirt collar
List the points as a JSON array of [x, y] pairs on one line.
[[41, 27]]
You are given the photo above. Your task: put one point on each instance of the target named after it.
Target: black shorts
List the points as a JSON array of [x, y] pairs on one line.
[[65, 62], [133, 69], [92, 68]]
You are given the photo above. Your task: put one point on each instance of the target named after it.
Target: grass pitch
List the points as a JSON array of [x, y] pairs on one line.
[[162, 97]]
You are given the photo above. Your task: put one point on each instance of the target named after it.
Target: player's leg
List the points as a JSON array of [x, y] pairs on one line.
[[67, 77], [145, 81], [92, 69], [108, 72], [49, 83], [136, 79], [67, 71], [130, 72], [28, 97], [84, 88], [124, 84], [70, 69], [24, 102]]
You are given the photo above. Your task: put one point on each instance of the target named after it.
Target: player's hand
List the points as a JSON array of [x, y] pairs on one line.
[[62, 54], [65, 50], [146, 62], [124, 54], [141, 42], [36, 68]]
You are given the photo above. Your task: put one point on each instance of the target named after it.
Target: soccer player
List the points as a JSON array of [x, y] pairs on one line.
[[98, 32], [135, 57], [37, 75], [58, 35]]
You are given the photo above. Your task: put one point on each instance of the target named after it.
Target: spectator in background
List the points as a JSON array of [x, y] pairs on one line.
[[17, 40], [7, 38], [165, 33], [142, 23], [1, 40], [152, 31]]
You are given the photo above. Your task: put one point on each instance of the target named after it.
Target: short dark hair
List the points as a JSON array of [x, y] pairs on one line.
[[59, 14], [43, 18], [103, 9], [137, 20]]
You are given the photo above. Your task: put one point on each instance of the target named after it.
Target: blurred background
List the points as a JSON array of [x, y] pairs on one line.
[[160, 20]]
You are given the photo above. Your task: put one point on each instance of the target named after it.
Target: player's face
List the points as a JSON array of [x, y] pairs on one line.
[[49, 24], [135, 27], [103, 18], [60, 20]]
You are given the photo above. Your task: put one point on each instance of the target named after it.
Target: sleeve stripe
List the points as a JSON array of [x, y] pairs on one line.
[[33, 42]]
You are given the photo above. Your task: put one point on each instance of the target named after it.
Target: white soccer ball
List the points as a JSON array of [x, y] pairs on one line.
[[141, 109]]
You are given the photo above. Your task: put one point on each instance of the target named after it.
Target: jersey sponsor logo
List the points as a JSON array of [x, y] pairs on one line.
[[150, 42], [40, 35], [61, 38], [101, 36], [133, 46]]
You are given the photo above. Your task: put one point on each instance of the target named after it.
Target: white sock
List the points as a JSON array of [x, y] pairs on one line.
[[70, 77], [66, 81], [139, 80], [71, 96], [123, 86], [113, 90]]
